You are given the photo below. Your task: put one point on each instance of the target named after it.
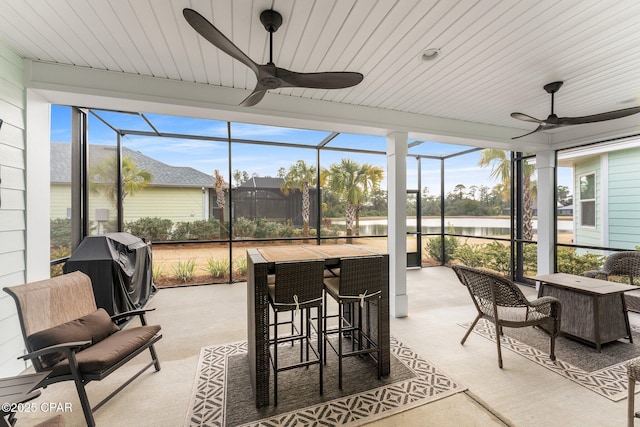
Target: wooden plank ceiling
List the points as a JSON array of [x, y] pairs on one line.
[[494, 58]]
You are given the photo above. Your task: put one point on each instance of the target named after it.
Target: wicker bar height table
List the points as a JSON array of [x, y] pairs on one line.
[[593, 310], [261, 262]]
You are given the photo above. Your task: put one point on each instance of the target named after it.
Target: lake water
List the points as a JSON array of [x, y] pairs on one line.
[[470, 226]]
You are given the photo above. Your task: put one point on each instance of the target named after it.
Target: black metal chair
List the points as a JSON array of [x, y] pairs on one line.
[[357, 285], [296, 288], [503, 303], [65, 333]]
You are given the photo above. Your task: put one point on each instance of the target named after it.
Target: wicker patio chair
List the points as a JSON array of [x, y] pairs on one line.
[[357, 284], [503, 303], [626, 263], [633, 374], [296, 288]]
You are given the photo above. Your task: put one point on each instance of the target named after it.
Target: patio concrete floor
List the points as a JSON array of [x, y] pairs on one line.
[[521, 394]]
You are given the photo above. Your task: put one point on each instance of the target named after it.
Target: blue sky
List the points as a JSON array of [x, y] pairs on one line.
[[206, 156]]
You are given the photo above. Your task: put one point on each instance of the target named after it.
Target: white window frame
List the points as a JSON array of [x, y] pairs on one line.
[[594, 200]]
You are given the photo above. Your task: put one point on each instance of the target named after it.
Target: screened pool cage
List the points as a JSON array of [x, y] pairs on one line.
[[115, 182]]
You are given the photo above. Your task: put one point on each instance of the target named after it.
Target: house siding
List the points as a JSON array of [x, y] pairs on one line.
[[179, 204], [12, 210], [174, 203], [60, 200], [590, 236], [624, 199]]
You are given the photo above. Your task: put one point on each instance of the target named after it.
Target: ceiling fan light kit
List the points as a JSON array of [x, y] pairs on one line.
[[268, 75], [553, 121]]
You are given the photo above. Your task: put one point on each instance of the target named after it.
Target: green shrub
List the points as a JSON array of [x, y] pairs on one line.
[[288, 230], [57, 253], [218, 267], [60, 233], [154, 228], [470, 254], [240, 265], [572, 263], [498, 257], [434, 248], [157, 272], [530, 259], [264, 228], [244, 227], [206, 229], [185, 270]]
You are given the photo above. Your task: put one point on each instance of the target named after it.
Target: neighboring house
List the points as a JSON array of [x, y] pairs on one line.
[[175, 193], [261, 197], [606, 179], [565, 210]]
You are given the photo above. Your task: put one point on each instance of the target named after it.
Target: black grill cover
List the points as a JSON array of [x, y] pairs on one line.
[[119, 265]]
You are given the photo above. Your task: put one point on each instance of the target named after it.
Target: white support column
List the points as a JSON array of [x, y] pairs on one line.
[[397, 146], [38, 187], [546, 166]]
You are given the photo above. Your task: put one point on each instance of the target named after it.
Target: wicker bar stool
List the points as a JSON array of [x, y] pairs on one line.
[[296, 288], [357, 285], [633, 373]]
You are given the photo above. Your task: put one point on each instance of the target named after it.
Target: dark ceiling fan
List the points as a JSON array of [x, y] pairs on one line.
[[268, 75], [554, 121]]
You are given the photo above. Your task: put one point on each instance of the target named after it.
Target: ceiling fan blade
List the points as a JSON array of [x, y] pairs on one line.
[[611, 115], [255, 96], [215, 37], [525, 117], [323, 80], [539, 128]]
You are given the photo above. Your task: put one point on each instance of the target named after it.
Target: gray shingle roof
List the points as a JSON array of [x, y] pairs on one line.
[[262, 182], [163, 174]]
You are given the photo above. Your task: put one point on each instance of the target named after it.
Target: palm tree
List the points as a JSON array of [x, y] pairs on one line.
[[370, 178], [354, 183], [501, 169], [301, 177], [240, 177], [220, 200], [103, 177]]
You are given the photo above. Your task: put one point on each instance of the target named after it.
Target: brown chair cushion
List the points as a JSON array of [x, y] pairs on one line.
[[103, 355], [93, 327]]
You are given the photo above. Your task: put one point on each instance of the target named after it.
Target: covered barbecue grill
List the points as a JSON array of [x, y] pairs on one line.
[[119, 265]]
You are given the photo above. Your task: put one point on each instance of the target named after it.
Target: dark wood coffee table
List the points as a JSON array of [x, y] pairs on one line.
[[593, 310]]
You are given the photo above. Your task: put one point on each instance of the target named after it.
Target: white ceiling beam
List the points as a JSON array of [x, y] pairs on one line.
[[86, 87]]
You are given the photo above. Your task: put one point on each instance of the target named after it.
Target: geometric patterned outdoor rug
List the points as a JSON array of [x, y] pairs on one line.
[[610, 382], [208, 403]]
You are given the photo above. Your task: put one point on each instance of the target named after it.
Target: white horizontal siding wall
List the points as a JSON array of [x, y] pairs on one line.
[[175, 203], [624, 199], [13, 208]]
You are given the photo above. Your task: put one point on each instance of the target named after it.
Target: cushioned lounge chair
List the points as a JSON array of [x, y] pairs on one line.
[[66, 334]]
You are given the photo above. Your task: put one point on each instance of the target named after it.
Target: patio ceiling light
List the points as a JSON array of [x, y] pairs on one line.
[[429, 54]]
